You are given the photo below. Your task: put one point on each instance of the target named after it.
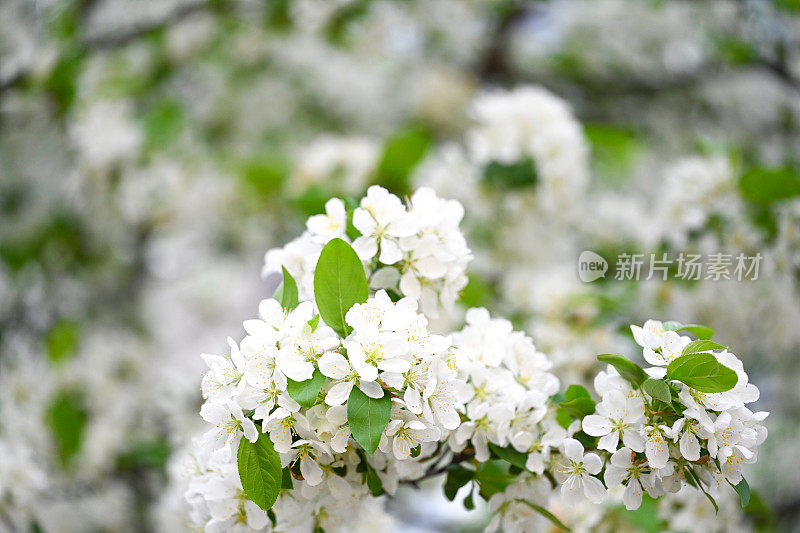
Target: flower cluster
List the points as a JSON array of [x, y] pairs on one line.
[[333, 400], [658, 441], [530, 123], [508, 391], [388, 354], [414, 250]]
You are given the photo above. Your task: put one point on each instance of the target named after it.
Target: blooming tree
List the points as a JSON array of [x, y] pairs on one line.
[[341, 392]]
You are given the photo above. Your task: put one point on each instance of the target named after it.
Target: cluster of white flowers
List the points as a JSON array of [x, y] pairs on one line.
[[414, 250], [694, 189], [508, 390], [703, 438], [530, 123], [482, 396], [388, 352]]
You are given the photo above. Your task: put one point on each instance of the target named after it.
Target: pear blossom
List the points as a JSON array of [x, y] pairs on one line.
[[335, 366], [451, 395], [656, 447], [401, 436], [635, 475], [306, 452], [229, 420], [618, 418], [694, 425], [485, 424], [225, 373], [229, 507], [419, 379], [650, 335], [730, 434], [282, 425], [369, 352], [331, 225], [579, 469], [441, 403], [381, 219], [538, 445], [671, 348]]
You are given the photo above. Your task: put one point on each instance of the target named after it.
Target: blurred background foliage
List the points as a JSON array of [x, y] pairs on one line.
[[152, 151]]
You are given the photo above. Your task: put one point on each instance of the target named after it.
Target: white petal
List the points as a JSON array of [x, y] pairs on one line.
[[592, 463], [295, 368], [363, 221], [340, 439], [311, 471], [412, 400], [339, 393], [334, 365], [390, 252], [596, 425], [410, 286], [594, 490], [572, 490], [573, 449], [633, 495], [395, 364], [401, 448], [371, 388], [690, 447], [657, 452], [633, 440], [609, 442], [365, 247]]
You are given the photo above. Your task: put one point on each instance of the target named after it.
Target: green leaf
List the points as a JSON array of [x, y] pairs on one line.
[[701, 332], [579, 407], [702, 346], [286, 479], [743, 489], [339, 282], [614, 150], [288, 299], [768, 185], [510, 176], [401, 153], [477, 292], [577, 402], [368, 418], [305, 392], [369, 475], [263, 176], [163, 123], [62, 341], [576, 391], [314, 322], [629, 370], [260, 470], [457, 477], [67, 417], [374, 483], [563, 418], [658, 389], [703, 372], [145, 454], [493, 476], [547, 514], [510, 455], [469, 502]]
